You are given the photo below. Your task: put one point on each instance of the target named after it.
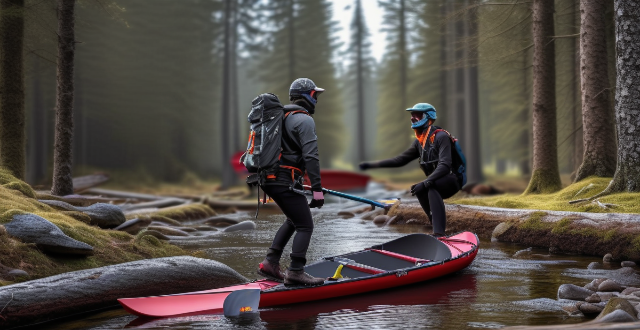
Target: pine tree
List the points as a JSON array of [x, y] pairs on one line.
[[12, 117], [295, 54], [394, 135], [545, 177], [597, 115], [62, 156], [627, 19], [359, 80]]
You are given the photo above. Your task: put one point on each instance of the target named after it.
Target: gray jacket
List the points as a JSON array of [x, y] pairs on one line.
[[299, 147]]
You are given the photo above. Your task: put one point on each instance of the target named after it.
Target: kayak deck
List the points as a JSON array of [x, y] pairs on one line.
[[406, 260]]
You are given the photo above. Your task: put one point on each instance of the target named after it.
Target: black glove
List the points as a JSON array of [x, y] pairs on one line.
[[364, 166], [420, 187], [318, 199]]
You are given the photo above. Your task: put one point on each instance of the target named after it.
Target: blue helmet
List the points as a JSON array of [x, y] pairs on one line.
[[305, 88], [429, 113]]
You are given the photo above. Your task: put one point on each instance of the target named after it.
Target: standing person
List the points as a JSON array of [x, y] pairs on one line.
[[299, 154], [434, 149]]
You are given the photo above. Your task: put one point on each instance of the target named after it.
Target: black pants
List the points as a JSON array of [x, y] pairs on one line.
[[432, 201], [296, 208]]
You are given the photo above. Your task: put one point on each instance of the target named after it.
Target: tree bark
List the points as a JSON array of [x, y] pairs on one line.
[[227, 171], [546, 176], [403, 55], [597, 117], [63, 151], [12, 119], [360, 81], [627, 175]]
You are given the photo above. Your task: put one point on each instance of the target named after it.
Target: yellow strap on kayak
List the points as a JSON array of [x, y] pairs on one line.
[[337, 274]]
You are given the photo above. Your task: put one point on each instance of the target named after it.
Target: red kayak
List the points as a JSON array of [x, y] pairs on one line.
[[406, 260], [342, 180]]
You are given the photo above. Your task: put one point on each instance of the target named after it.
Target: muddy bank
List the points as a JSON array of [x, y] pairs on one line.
[[561, 232]]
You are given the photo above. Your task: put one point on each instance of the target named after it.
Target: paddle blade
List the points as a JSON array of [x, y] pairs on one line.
[[241, 301]]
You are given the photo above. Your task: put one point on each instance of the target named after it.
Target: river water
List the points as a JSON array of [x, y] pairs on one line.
[[497, 290]]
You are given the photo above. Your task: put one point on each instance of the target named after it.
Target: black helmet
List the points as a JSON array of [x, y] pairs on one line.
[[305, 88]]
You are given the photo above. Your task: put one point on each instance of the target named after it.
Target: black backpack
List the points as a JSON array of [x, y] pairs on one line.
[[459, 161], [264, 146]]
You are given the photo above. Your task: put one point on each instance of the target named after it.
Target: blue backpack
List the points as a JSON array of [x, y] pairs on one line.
[[459, 160]]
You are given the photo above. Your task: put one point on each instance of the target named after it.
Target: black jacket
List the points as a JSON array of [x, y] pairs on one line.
[[435, 159]]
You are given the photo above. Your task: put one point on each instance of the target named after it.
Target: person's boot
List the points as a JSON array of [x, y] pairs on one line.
[[270, 270], [299, 277]]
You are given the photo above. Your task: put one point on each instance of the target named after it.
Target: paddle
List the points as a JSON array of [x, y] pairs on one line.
[[241, 301], [384, 204]]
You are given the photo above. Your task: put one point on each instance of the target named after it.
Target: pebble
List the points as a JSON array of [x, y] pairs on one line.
[[381, 219], [610, 286], [590, 309], [628, 263], [595, 265], [607, 258]]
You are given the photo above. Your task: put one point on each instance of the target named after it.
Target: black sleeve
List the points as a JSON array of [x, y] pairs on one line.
[[443, 148], [306, 135], [401, 160]]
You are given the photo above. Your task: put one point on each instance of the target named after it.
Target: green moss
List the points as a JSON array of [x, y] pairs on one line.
[[559, 201], [534, 222], [110, 247], [186, 212], [610, 235], [561, 226], [544, 181]]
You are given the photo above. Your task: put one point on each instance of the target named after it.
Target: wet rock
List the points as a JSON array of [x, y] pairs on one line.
[[31, 228], [10, 274], [595, 265], [221, 221], [133, 226], [206, 228], [573, 292], [590, 309], [618, 304], [164, 221], [346, 214], [625, 276], [413, 222], [381, 219], [392, 221], [244, 225], [607, 258], [617, 316], [168, 231], [593, 286], [187, 229], [371, 215], [71, 293], [627, 264], [629, 290], [155, 234], [610, 286], [499, 230], [102, 215], [605, 296], [594, 298], [572, 310], [523, 253]]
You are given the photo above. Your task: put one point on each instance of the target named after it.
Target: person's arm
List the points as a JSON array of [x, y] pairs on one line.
[[443, 146], [401, 160], [305, 132]]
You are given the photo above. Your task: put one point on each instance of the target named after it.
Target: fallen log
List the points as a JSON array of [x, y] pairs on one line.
[[123, 194], [83, 183], [72, 293], [165, 202]]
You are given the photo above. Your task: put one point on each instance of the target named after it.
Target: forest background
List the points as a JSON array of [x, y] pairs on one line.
[[163, 87]]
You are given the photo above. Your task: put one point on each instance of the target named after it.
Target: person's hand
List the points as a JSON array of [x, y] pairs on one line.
[[318, 199], [420, 187], [364, 166]]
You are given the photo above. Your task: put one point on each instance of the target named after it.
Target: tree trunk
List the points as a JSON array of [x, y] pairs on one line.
[[546, 176], [597, 118], [12, 119], [472, 104], [292, 55], [227, 171], [576, 114], [359, 67], [62, 155], [403, 56], [627, 175]]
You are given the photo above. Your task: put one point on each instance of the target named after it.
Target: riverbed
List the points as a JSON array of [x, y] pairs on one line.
[[497, 290]]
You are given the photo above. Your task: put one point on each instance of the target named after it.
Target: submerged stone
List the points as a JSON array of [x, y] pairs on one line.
[[573, 292], [244, 225]]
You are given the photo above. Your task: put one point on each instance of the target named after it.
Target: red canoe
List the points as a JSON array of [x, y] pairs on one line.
[[406, 260], [342, 180]]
